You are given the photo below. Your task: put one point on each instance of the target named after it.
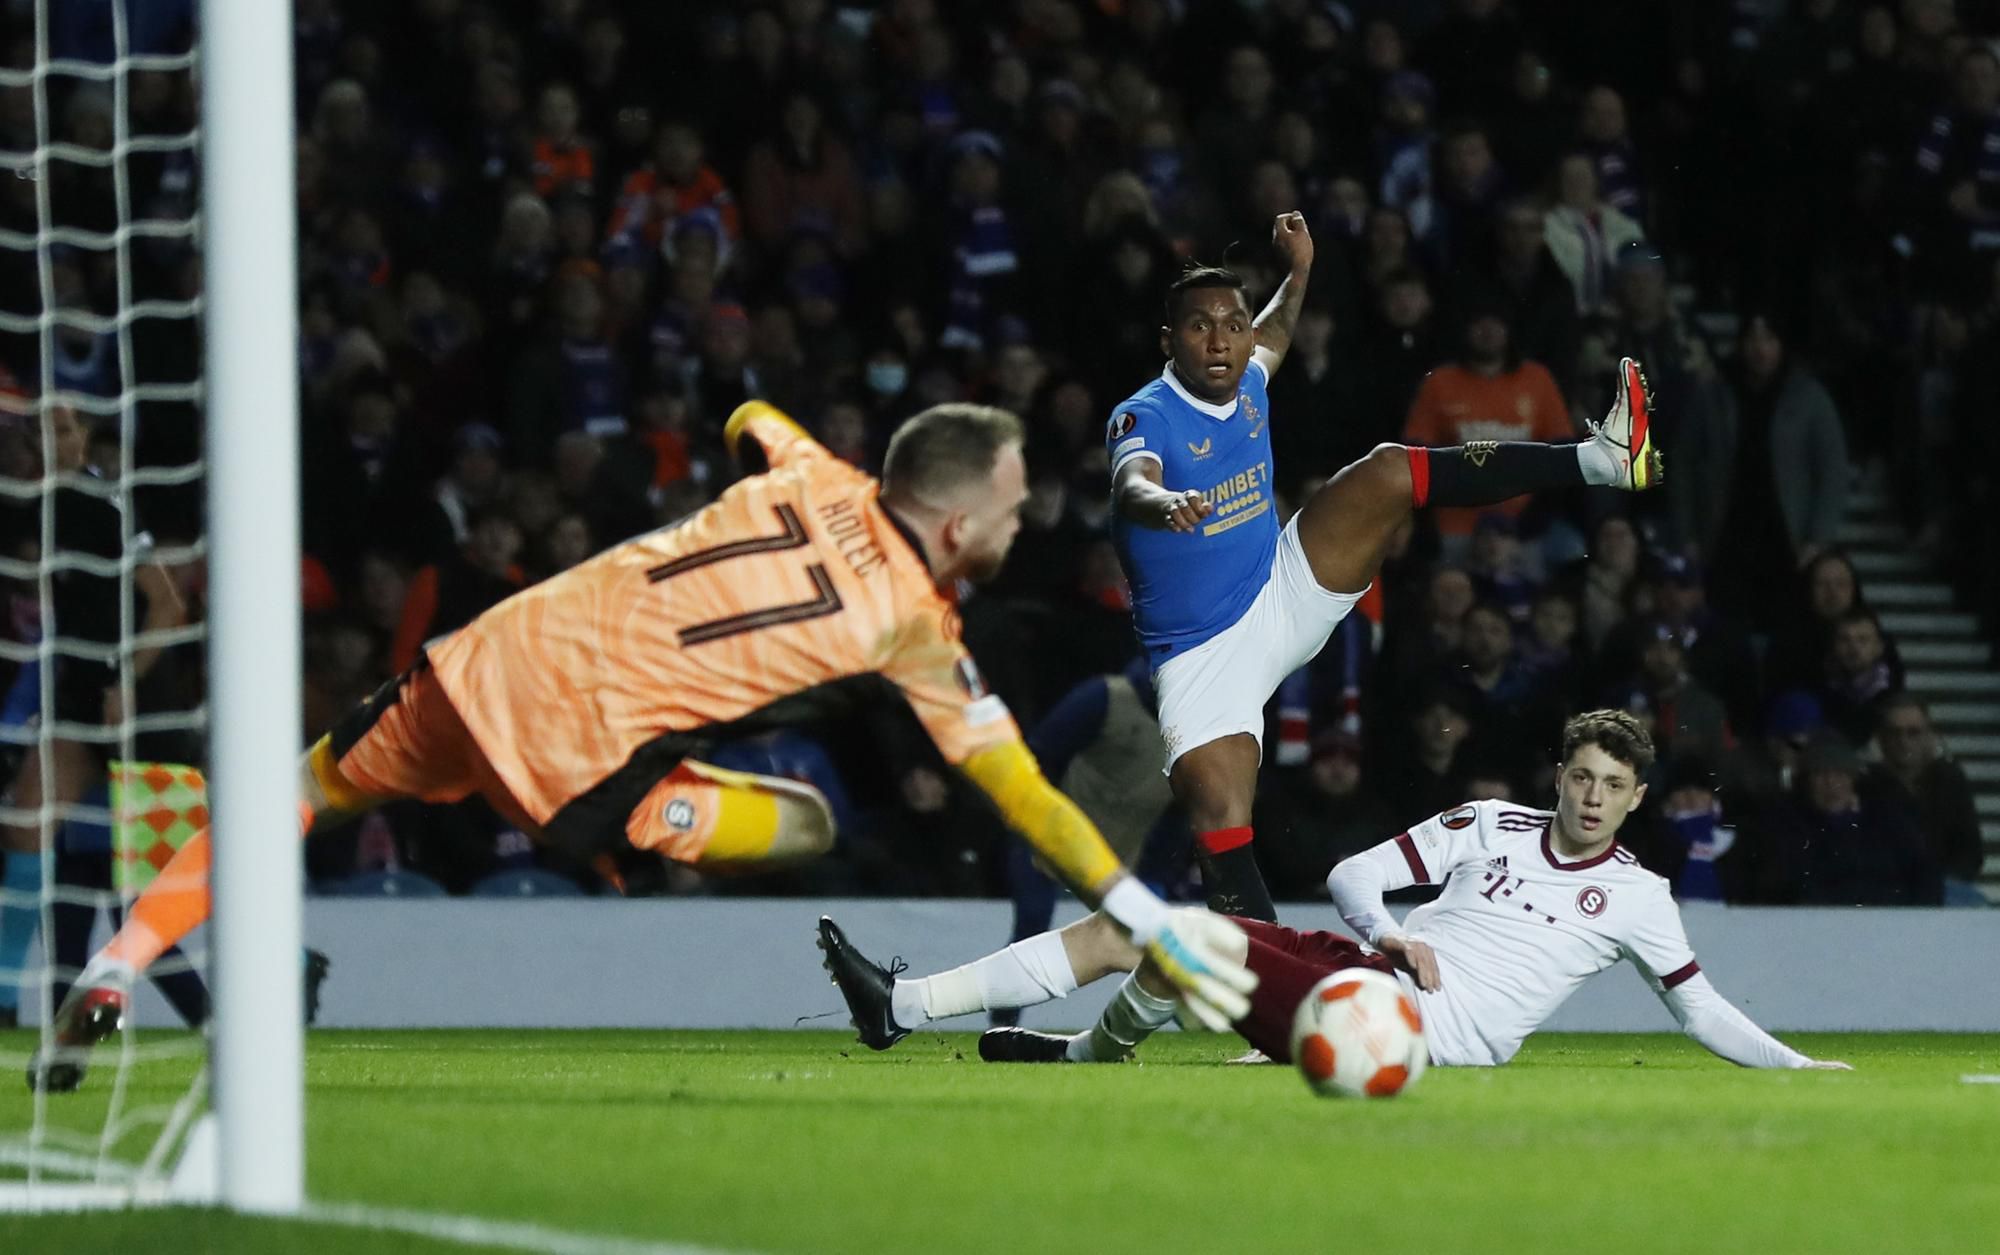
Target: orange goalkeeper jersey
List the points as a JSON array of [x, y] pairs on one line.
[[793, 589]]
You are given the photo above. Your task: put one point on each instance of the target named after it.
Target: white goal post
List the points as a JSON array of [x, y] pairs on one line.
[[251, 290], [249, 1153]]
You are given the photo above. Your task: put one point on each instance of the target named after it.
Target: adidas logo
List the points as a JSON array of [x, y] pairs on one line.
[[1498, 864]]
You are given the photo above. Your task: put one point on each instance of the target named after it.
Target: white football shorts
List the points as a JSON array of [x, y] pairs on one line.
[[1219, 687]]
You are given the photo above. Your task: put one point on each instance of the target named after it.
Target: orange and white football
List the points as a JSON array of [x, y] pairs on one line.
[[1358, 1035]]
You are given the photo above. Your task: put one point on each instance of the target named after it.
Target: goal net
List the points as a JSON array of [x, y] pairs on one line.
[[121, 459]]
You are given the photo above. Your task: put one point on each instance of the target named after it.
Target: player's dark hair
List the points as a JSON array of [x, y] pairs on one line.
[[1192, 278], [944, 448], [1616, 732]]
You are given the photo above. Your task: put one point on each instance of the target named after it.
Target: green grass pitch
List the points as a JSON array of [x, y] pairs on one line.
[[806, 1142]]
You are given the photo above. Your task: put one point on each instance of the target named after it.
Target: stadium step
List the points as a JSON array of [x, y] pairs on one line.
[[1963, 714], [1953, 683], [1935, 680], [1907, 593], [1991, 832], [1866, 493], [1981, 770], [1889, 562], [1945, 653], [1976, 745], [1856, 533], [1988, 805], [1919, 623]]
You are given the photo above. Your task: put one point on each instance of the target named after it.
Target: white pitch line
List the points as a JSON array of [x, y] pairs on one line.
[[477, 1231], [1979, 1078]]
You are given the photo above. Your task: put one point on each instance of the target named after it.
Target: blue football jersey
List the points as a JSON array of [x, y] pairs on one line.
[[1188, 586]]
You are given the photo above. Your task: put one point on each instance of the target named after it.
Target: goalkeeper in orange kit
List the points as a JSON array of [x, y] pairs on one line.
[[581, 708]]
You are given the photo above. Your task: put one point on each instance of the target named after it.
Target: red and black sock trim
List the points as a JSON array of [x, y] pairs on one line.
[[1223, 840]]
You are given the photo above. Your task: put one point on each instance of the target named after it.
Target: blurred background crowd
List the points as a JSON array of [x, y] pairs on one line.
[[548, 245]]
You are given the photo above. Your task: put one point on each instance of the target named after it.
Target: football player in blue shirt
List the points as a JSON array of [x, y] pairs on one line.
[[1227, 603]]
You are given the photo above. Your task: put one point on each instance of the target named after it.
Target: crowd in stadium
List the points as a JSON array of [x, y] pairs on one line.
[[547, 246]]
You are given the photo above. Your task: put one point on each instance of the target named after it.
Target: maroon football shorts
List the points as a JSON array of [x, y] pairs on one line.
[[1288, 964]]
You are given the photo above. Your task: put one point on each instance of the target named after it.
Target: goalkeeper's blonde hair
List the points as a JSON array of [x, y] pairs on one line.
[[939, 452]]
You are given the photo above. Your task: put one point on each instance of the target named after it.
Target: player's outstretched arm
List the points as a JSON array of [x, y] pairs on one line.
[[1141, 498], [1710, 1019], [1191, 948], [759, 436], [1656, 942], [1274, 326]]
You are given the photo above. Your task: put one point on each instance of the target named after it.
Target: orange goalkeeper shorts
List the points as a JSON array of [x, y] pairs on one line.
[[408, 741]]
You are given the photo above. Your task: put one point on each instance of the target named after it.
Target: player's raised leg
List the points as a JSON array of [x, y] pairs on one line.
[[406, 741], [886, 1008], [173, 906], [1346, 525]]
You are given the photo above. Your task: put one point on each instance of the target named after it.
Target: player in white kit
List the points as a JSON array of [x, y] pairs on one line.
[[1534, 903]]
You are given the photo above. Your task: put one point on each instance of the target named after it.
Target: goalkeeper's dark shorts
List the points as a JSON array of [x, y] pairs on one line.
[[1288, 964]]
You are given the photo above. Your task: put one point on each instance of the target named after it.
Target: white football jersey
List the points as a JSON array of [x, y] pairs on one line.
[[1516, 929]]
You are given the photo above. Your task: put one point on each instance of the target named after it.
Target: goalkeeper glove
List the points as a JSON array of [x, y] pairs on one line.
[[1194, 952], [1193, 948]]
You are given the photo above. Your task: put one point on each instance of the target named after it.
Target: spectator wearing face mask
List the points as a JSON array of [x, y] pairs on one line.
[[885, 381]]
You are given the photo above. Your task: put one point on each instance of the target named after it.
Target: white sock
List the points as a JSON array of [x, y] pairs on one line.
[[1023, 975], [1598, 464], [1133, 1016], [105, 970]]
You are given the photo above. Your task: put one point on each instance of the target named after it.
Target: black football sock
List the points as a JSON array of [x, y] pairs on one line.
[[1486, 472], [1230, 875]]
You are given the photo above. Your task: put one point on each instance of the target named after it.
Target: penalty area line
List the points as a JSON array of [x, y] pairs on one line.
[[478, 1231]]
